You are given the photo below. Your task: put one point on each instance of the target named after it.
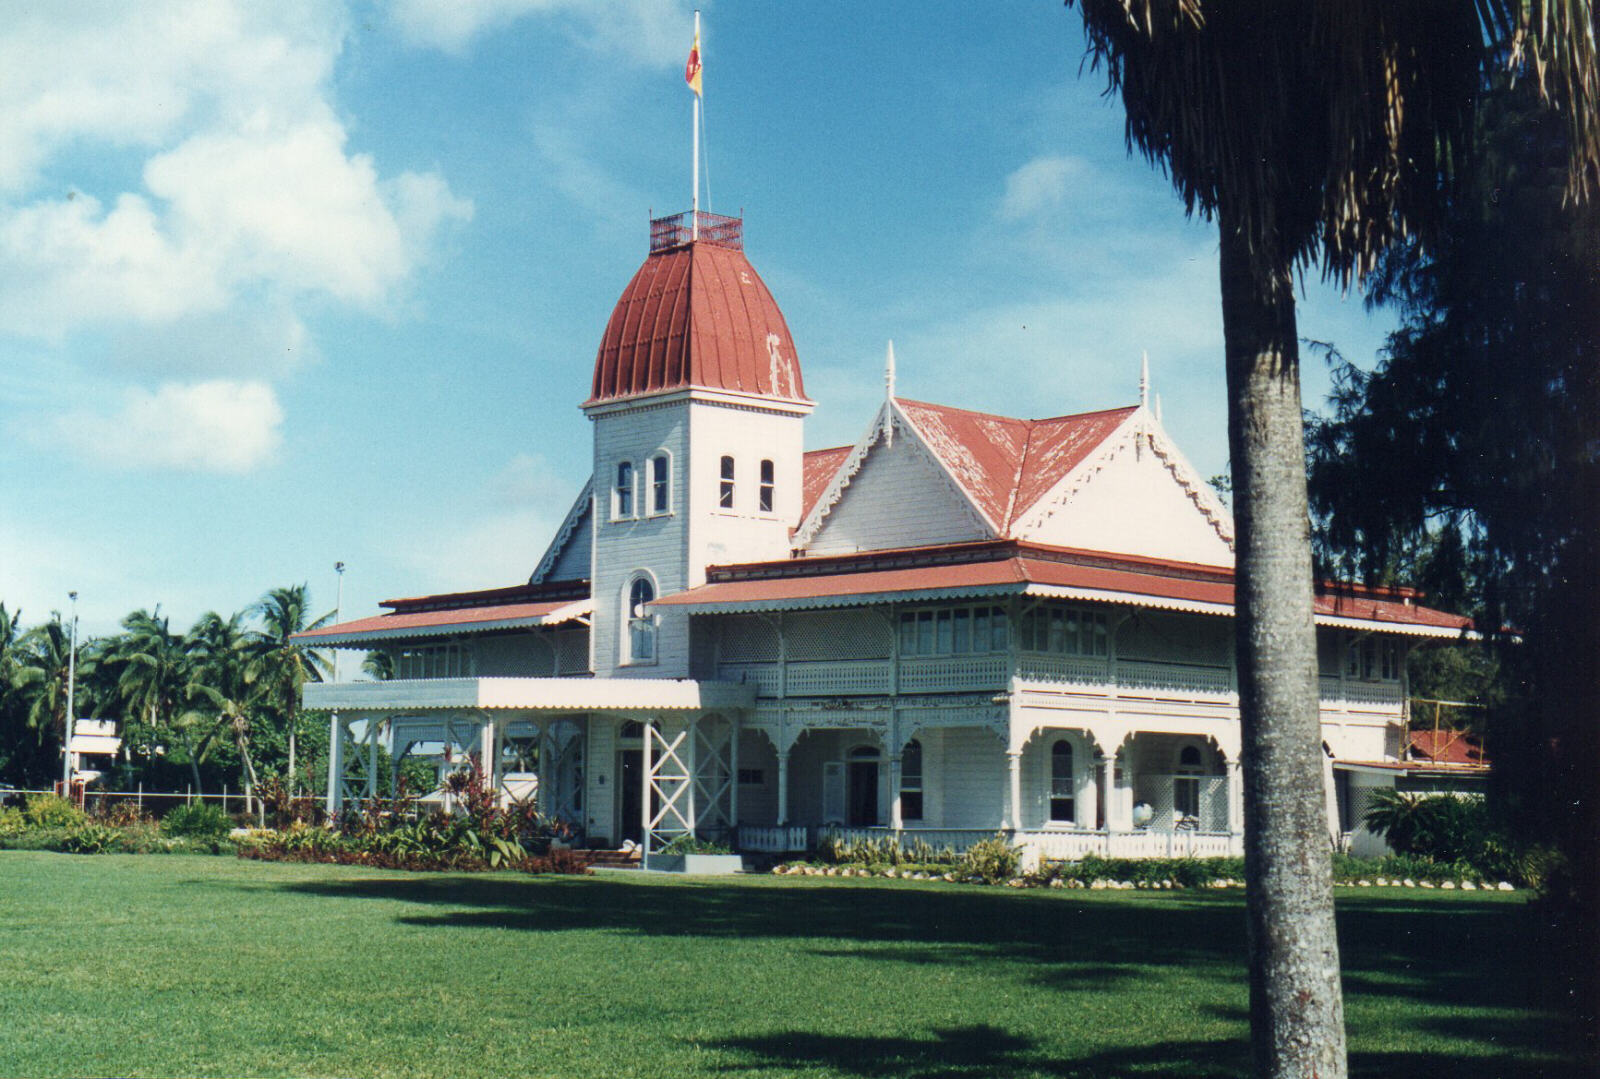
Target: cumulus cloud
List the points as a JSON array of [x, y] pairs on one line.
[[214, 426], [645, 31], [249, 184], [1041, 186]]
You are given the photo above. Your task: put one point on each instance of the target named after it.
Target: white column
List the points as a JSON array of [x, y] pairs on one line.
[[1235, 798], [488, 756], [372, 756], [1119, 814], [896, 817], [1014, 775], [733, 775], [335, 764], [783, 787]]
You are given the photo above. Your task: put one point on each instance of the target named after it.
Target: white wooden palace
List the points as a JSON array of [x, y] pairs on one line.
[[961, 624]]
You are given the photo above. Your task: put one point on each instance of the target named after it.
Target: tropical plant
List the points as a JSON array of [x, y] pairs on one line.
[[200, 819], [1311, 133], [282, 665], [154, 677], [222, 700]]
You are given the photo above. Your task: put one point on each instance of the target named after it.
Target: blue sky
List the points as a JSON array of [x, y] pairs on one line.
[[284, 284]]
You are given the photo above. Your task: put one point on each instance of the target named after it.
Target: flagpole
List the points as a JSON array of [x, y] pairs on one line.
[[694, 216]]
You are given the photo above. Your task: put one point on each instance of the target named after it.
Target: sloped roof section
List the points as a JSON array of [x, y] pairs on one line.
[[1006, 465], [448, 613], [1446, 746], [817, 468], [697, 315]]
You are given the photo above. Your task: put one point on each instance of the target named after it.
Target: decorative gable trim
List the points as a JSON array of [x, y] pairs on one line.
[[1139, 431], [888, 417], [569, 525]]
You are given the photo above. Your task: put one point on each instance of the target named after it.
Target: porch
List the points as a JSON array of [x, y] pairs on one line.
[[1041, 844]]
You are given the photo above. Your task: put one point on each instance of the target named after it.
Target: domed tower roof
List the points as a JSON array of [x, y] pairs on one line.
[[696, 315]]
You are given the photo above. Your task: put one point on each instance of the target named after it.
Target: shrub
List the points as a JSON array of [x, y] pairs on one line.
[[693, 844], [990, 861], [883, 851], [1442, 827], [12, 821], [198, 819], [91, 838], [122, 814], [52, 811]]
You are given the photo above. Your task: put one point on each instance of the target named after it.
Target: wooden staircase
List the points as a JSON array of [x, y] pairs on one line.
[[613, 859]]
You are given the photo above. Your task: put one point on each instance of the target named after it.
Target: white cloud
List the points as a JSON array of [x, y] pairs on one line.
[[249, 185], [1041, 186], [214, 426], [645, 31]]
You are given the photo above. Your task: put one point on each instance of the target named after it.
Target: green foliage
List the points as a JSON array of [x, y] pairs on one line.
[[52, 811], [1145, 872], [989, 861], [836, 849], [91, 838], [1441, 827], [693, 844], [199, 819], [12, 820]]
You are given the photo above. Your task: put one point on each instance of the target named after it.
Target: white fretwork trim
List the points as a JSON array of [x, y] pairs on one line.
[[569, 525]]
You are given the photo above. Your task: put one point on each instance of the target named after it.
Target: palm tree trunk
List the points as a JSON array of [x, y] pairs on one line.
[[1296, 1008]]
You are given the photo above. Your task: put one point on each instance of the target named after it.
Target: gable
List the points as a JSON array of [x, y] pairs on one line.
[[1136, 496], [898, 496], [569, 556]]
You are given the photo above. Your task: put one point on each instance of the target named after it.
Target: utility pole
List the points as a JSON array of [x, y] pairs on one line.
[[72, 679]]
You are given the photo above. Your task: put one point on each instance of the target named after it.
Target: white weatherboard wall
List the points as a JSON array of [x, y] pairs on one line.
[[743, 533], [573, 563], [899, 498], [975, 782], [1133, 505], [653, 543]]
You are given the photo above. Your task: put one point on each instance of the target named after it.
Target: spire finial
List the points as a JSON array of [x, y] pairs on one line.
[[1144, 379], [888, 395]]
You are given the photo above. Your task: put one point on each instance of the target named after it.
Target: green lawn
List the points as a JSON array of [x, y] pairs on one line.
[[196, 966]]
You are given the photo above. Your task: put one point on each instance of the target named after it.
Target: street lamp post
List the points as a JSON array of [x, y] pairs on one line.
[[72, 679]]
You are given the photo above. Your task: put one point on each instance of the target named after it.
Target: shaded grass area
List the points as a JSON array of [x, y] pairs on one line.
[[202, 966]]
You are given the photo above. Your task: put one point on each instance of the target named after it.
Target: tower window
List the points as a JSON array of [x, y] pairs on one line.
[[641, 639], [622, 494], [725, 490], [660, 483], [1063, 803], [768, 483]]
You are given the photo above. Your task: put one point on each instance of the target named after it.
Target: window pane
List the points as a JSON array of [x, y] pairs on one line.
[[764, 494], [1058, 632], [660, 475], [980, 629], [945, 641], [963, 637], [725, 492], [625, 489], [924, 633], [908, 634], [997, 621]]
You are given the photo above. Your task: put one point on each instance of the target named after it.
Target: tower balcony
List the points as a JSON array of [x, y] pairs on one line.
[[696, 226]]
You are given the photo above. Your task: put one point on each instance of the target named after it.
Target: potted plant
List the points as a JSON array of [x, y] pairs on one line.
[[690, 854]]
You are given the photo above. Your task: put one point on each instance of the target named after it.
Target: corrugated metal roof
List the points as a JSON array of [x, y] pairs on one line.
[[817, 468], [1088, 575], [696, 316], [1006, 465], [461, 620]]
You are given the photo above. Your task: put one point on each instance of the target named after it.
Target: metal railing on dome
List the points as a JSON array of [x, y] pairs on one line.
[[679, 229]]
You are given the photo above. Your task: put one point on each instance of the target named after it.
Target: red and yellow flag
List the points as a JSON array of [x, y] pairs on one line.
[[691, 70]]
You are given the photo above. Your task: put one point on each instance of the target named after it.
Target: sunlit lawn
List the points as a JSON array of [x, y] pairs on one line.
[[196, 966]]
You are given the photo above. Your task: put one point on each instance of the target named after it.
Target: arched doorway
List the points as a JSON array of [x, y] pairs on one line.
[[861, 787]]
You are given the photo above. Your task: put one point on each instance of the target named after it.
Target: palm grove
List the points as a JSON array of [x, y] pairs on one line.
[[215, 706]]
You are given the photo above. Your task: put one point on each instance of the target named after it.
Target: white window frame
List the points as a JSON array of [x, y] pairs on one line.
[[728, 483], [767, 486], [621, 492], [1052, 795], [662, 458], [638, 625]]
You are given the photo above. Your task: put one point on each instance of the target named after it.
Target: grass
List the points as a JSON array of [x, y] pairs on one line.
[[195, 966]]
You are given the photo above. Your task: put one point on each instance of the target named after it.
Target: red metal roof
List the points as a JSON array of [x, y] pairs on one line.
[[1006, 465], [1446, 747], [697, 315], [467, 618], [817, 468], [1010, 566]]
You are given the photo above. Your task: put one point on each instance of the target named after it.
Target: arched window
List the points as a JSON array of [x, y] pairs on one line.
[[1063, 800], [725, 489], [641, 637], [765, 492], [622, 494], [911, 781], [660, 483], [1186, 783]]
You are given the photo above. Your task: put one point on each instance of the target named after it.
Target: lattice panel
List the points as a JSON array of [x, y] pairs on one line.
[[714, 766], [669, 785], [1175, 638], [572, 651], [748, 639], [817, 635]]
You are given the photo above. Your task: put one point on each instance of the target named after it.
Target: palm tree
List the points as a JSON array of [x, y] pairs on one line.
[[283, 666], [1312, 132], [43, 667], [223, 700], [154, 676]]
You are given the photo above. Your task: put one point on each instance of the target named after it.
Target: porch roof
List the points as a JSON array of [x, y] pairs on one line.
[[1038, 571], [643, 695], [433, 623]]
